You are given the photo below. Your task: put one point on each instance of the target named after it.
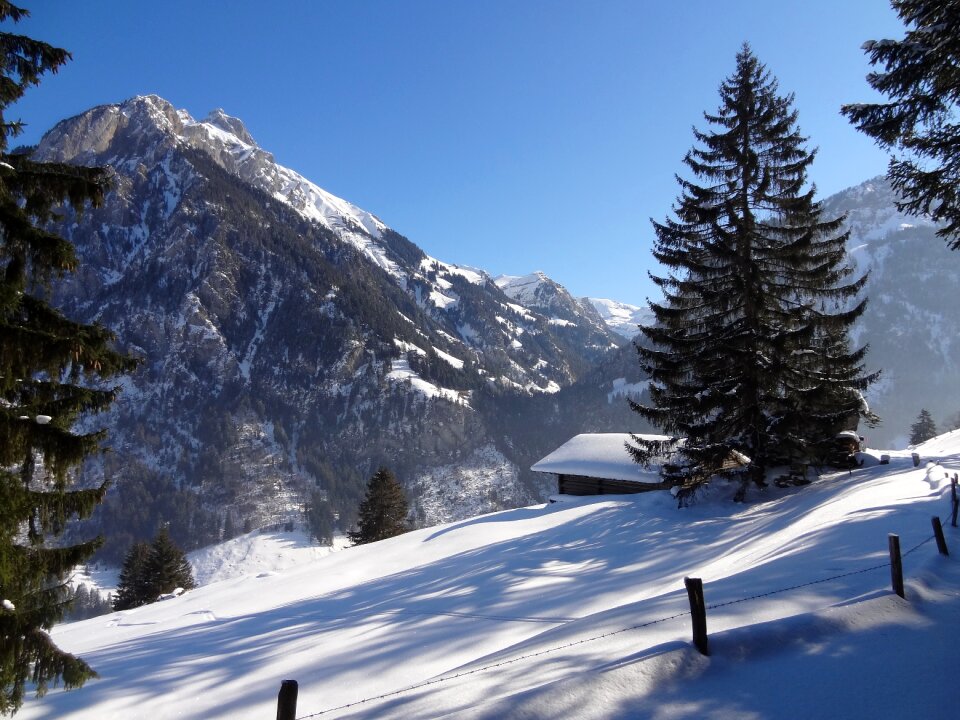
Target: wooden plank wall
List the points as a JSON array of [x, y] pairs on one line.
[[582, 485]]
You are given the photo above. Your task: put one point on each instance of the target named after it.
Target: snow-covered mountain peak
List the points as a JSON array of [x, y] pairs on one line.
[[538, 291], [153, 110], [144, 128], [218, 118], [535, 290], [524, 288], [623, 318]]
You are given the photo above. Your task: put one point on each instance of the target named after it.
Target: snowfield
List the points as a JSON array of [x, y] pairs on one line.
[[574, 609], [258, 552]]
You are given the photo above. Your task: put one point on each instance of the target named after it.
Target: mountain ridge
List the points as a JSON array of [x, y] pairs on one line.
[[294, 342]]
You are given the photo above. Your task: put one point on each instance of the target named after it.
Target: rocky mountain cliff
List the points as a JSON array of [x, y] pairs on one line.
[[292, 341]]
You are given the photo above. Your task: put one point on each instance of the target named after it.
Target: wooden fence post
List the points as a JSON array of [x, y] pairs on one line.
[[938, 534], [698, 612], [896, 564], [287, 700], [956, 502]]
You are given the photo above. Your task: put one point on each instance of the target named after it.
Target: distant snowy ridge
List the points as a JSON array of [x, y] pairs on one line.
[[537, 290], [541, 293], [525, 289], [228, 142], [227, 139], [621, 317]]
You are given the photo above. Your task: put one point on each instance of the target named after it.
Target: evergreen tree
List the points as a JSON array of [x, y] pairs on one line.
[[383, 512], [920, 120], [132, 587], [167, 567], [150, 571], [748, 353], [51, 373], [923, 429]]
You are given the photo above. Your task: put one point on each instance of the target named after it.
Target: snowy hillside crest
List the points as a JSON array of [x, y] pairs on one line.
[[573, 609]]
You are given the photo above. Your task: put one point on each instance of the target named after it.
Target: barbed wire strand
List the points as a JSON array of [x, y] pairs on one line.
[[502, 663]]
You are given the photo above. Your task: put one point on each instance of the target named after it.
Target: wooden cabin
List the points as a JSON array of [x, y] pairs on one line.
[[599, 464]]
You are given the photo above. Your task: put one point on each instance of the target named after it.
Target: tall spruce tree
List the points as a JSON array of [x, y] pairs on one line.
[[383, 511], [52, 371], [748, 354], [919, 124]]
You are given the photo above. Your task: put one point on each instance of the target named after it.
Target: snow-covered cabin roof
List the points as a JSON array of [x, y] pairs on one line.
[[599, 455]]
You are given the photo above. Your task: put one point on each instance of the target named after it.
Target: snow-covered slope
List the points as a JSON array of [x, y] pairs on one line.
[[540, 293], [258, 552], [575, 609], [622, 317]]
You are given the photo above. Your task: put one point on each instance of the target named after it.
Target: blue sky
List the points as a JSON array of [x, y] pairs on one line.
[[510, 135]]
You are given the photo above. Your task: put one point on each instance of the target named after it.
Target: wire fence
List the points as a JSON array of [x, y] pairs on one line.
[[582, 641]]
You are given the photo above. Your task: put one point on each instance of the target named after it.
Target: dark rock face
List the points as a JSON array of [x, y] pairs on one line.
[[292, 342]]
